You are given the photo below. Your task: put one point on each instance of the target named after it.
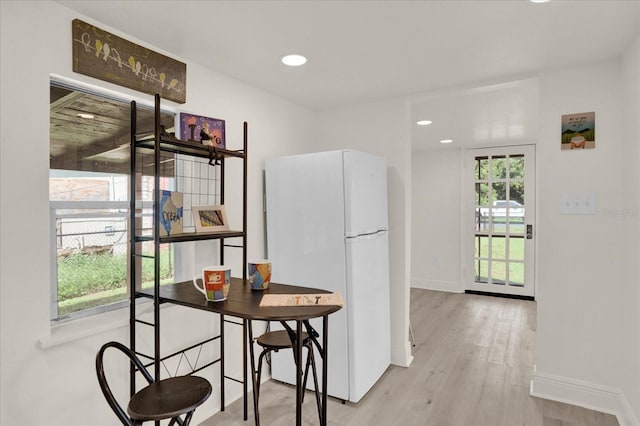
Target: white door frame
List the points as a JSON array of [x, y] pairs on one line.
[[470, 224]]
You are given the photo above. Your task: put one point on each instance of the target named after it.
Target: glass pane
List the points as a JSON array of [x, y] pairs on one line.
[[498, 249], [482, 194], [482, 219], [498, 209], [498, 225], [166, 265], [499, 168], [516, 167], [516, 274], [482, 246], [516, 225], [482, 168], [482, 271], [516, 193], [65, 185], [91, 261], [498, 193], [498, 272], [516, 248]]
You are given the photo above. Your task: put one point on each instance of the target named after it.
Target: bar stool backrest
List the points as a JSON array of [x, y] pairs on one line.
[[104, 385]]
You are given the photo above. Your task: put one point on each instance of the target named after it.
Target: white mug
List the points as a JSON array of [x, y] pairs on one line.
[[216, 281]]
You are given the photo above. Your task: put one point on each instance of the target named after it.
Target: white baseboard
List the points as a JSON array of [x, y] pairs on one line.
[[583, 394], [450, 286]]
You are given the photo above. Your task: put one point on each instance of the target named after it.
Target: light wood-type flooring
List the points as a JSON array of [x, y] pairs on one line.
[[473, 361]]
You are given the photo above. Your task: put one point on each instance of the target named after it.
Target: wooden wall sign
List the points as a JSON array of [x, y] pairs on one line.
[[100, 54]]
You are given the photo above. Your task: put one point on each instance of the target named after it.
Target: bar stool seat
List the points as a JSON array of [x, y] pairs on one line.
[[276, 340], [164, 399], [279, 339], [169, 398]]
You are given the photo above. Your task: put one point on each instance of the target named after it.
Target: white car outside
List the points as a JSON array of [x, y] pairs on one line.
[[500, 207]]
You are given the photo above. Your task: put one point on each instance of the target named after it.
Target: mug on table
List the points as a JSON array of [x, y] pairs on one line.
[[216, 282]]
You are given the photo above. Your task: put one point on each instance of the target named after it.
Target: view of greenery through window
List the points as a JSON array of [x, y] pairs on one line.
[[91, 250], [485, 195], [91, 280], [500, 228], [88, 193]]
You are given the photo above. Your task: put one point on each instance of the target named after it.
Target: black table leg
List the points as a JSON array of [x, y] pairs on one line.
[[299, 389], [222, 376], [325, 344], [244, 367], [253, 375]]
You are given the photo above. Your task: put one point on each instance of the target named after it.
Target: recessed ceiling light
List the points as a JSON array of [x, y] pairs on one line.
[[83, 115], [446, 141], [424, 122], [294, 60], [539, 1]]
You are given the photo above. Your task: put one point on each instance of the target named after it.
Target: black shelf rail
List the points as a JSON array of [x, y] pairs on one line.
[[194, 149], [191, 236], [133, 258], [156, 142]]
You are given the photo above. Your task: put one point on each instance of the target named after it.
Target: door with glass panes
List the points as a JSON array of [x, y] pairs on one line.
[[501, 202]]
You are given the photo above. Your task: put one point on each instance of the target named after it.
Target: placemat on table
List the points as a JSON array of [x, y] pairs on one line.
[[320, 299]]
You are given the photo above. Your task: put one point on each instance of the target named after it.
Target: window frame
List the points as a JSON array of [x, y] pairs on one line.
[[122, 206]]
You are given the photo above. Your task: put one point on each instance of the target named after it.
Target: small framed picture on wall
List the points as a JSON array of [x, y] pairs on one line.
[[578, 131]]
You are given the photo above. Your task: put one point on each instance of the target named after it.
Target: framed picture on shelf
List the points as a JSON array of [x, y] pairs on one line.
[[210, 218], [170, 213], [206, 130]]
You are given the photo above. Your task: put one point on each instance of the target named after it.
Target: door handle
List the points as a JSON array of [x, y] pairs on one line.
[[529, 232]]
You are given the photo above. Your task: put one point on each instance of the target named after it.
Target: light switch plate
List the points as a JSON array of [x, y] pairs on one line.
[[578, 203]]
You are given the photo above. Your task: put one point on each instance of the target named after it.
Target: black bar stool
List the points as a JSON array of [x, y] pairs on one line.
[[164, 399], [276, 340]]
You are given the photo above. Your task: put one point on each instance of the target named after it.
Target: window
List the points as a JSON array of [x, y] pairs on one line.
[[88, 193]]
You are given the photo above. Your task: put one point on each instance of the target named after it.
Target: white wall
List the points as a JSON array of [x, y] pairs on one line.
[[585, 300], [381, 128], [48, 375], [436, 220], [630, 382], [497, 113], [587, 267]]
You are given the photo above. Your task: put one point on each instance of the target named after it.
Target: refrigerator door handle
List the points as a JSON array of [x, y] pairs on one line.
[[367, 234]]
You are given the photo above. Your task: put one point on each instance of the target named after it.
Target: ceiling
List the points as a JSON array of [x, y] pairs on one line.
[[98, 144], [361, 51]]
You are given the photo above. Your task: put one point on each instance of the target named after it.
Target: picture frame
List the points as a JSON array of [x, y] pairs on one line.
[[205, 130], [578, 131], [171, 213], [210, 218]]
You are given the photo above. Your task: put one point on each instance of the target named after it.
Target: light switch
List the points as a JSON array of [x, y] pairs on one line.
[[578, 203]]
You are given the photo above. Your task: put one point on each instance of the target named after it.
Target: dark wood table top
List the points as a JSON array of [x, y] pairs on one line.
[[243, 302]]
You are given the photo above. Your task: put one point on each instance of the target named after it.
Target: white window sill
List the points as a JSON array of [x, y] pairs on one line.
[[89, 326]]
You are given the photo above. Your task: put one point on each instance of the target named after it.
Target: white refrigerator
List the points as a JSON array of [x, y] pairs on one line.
[[327, 228]]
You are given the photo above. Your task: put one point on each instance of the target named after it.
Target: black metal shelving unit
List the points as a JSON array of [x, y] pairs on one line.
[[155, 143]]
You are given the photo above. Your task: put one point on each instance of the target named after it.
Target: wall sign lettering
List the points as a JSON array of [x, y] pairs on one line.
[[100, 54]]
